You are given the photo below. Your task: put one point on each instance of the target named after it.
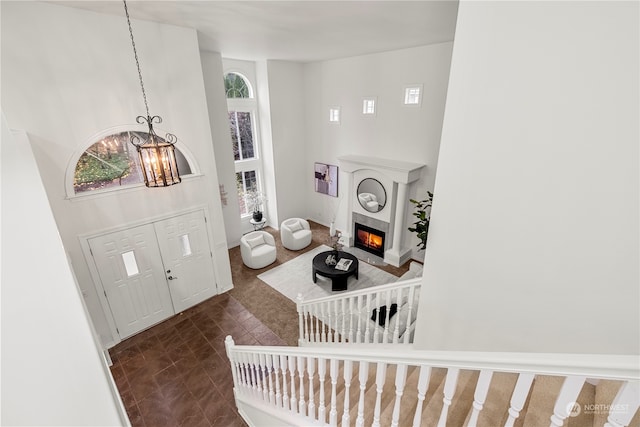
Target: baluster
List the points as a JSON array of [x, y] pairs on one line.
[[396, 330], [301, 326], [329, 307], [363, 375], [311, 367], [381, 372], [423, 383], [293, 406], [451, 381], [322, 370], [285, 395], [315, 322], [343, 334], [359, 323], [401, 380], [568, 393], [301, 403], [385, 334], [267, 385], [276, 371], [347, 369], [336, 328], [412, 290], [308, 322], [480, 395], [367, 327], [333, 373], [242, 378], [255, 372], [520, 393], [325, 317], [351, 317], [246, 373], [376, 331], [628, 397]]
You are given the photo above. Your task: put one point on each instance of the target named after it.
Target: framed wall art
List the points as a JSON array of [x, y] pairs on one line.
[[326, 179]]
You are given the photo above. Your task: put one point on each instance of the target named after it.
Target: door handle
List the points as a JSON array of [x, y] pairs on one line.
[[171, 277]]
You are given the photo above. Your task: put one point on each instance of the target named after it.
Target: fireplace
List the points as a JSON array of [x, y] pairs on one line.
[[369, 239]]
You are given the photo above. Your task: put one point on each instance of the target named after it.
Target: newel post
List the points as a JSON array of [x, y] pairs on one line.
[[301, 336], [229, 346]]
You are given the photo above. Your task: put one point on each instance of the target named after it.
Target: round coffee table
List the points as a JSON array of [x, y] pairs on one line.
[[338, 277]]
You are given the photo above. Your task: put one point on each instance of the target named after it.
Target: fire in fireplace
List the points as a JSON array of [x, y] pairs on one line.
[[369, 239]]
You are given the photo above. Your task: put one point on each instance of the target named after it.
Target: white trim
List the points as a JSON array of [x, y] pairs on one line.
[[112, 191]]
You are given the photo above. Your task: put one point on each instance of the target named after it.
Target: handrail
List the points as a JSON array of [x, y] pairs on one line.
[[609, 366]]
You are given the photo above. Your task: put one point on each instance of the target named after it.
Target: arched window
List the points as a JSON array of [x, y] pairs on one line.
[[113, 161], [243, 124], [236, 86]]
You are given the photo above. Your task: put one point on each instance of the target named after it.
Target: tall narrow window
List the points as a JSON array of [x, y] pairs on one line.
[[243, 126]]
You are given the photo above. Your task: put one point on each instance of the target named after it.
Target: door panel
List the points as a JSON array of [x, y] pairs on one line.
[[187, 259], [130, 267]]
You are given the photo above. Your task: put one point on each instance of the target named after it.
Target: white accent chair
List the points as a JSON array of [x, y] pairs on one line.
[[258, 249], [295, 233], [369, 201]]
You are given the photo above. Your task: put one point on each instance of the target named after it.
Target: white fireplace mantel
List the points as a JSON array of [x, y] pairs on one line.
[[399, 171], [400, 174]]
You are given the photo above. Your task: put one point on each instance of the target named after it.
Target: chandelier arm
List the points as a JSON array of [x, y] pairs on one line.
[[135, 54]]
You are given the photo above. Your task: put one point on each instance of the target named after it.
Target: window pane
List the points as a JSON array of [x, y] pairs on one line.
[[245, 181], [235, 86], [241, 135], [130, 264], [185, 245], [113, 161]]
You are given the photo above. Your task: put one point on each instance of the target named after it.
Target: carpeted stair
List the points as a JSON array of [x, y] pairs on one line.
[[536, 412]]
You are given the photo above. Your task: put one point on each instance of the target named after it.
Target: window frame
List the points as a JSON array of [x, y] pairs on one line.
[[248, 105], [111, 191]]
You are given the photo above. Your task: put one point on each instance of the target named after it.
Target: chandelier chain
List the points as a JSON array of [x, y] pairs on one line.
[[135, 54]]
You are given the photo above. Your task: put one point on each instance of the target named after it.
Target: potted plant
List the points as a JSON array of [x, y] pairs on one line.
[[255, 199], [422, 213]]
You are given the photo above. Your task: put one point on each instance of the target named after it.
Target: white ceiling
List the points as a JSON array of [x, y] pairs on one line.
[[301, 30]]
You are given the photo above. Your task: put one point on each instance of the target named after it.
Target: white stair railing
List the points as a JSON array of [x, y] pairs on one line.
[[261, 381], [363, 316]]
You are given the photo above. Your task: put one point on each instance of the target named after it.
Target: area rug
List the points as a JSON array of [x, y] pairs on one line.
[[294, 277]]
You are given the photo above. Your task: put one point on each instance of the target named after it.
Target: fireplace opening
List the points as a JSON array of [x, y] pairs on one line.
[[369, 239]]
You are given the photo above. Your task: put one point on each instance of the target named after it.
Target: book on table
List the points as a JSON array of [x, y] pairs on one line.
[[344, 264]]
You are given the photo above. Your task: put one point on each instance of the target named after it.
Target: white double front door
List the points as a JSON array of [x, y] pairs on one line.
[[152, 271]]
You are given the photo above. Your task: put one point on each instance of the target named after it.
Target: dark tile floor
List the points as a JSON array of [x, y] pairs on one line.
[[177, 373]]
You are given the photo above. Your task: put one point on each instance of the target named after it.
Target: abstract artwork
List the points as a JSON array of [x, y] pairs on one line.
[[326, 179]]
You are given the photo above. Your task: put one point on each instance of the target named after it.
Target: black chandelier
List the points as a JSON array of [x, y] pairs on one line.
[[157, 155]]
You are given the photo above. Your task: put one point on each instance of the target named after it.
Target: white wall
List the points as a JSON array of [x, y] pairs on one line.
[[68, 74], [53, 372], [289, 140], [213, 74], [534, 244], [396, 132]]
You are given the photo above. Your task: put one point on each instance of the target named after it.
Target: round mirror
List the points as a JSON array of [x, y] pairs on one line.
[[371, 195]]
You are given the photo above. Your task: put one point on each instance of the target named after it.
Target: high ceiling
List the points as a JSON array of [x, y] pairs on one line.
[[299, 30]]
